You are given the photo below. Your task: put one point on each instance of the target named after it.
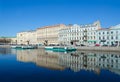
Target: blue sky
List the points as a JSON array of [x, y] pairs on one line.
[[23, 15]]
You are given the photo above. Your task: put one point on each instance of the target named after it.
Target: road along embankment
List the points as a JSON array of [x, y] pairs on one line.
[[99, 48]]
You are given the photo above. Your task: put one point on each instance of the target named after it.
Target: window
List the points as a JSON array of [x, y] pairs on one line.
[[111, 37], [107, 32], [116, 37], [99, 33], [91, 37], [111, 32], [111, 55], [99, 38], [108, 37], [103, 33], [77, 38], [116, 32], [103, 37], [116, 61]]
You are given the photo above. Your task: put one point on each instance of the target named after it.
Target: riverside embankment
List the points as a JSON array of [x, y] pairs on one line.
[[115, 49], [99, 48]]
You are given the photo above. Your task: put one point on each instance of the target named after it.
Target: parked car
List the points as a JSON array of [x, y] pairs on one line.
[[51, 45], [113, 45], [57, 44], [82, 45], [91, 45], [77, 45], [40, 44], [97, 44], [104, 45]]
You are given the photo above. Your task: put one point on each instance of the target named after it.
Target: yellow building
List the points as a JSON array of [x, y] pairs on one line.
[[28, 37], [49, 34], [13, 40]]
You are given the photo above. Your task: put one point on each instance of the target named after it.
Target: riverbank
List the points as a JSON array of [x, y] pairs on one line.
[[110, 49], [115, 49]]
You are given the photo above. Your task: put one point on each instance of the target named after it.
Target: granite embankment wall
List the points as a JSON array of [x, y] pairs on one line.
[[99, 48], [116, 49]]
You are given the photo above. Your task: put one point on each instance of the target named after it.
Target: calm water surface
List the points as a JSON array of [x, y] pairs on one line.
[[46, 66]]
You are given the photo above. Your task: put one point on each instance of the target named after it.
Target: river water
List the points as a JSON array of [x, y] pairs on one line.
[[38, 65]]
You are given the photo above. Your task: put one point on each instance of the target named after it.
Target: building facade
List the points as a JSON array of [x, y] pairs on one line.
[[89, 34], [8, 40], [28, 37], [110, 36], [79, 34], [13, 40], [49, 34]]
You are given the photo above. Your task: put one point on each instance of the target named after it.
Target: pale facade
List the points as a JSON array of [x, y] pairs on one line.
[[13, 40], [49, 34], [110, 36], [28, 37], [79, 34]]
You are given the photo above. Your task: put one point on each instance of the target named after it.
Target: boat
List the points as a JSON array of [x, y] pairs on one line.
[[23, 47], [15, 46], [28, 47], [61, 49]]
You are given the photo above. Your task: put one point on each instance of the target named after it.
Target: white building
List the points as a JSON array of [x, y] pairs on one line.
[[110, 36], [79, 34]]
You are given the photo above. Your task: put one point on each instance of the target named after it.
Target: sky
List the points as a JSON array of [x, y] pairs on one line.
[[25, 15]]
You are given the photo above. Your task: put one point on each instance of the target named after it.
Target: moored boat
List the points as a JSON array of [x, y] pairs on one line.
[[15, 46], [23, 47], [61, 49], [28, 47]]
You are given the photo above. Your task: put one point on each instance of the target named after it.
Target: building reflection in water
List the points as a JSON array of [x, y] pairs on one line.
[[76, 61], [5, 51], [92, 61], [40, 58]]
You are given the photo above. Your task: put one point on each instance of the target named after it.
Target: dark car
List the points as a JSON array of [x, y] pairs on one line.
[[104, 45], [51, 45], [113, 45], [82, 45]]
